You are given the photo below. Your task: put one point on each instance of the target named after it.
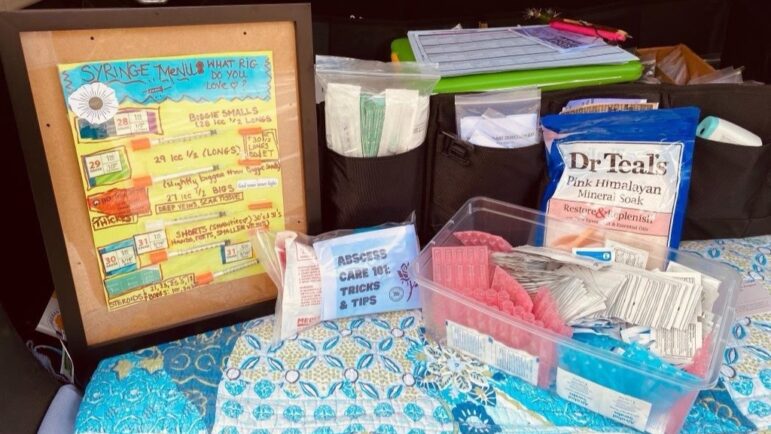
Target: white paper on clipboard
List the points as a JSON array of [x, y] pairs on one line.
[[473, 51]]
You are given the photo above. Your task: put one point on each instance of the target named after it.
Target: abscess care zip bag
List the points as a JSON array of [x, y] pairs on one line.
[[338, 274], [626, 171]]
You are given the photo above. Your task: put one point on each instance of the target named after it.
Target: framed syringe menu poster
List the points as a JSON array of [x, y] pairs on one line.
[[156, 140]]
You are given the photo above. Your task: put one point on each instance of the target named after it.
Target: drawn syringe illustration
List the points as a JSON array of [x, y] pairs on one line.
[[147, 143], [158, 224], [209, 276], [165, 254], [145, 181]]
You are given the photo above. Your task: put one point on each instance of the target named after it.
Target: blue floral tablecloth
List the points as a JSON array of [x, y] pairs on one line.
[[746, 371], [379, 374]]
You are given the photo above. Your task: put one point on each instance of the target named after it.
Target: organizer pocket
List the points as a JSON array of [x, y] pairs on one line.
[[554, 102], [730, 194], [462, 170], [362, 192]]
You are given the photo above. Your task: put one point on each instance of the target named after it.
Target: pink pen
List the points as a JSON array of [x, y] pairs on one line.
[[589, 29]]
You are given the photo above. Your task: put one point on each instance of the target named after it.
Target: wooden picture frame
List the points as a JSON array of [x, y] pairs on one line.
[[35, 46]]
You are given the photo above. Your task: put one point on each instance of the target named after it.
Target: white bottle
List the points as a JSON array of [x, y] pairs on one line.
[[720, 130]]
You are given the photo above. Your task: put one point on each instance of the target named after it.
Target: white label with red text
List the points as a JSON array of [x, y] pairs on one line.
[[236, 252], [103, 164], [117, 259], [150, 241], [134, 122]]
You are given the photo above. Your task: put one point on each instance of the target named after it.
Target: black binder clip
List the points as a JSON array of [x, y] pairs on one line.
[[457, 149]]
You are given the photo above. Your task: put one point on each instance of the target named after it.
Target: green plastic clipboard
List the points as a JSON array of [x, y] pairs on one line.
[[546, 79]]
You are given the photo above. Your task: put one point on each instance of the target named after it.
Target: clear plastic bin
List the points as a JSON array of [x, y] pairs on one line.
[[602, 381]]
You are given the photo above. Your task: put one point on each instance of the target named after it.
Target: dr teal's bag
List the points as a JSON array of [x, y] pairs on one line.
[[627, 171]]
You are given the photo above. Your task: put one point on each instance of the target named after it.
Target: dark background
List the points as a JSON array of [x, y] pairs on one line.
[[725, 32]]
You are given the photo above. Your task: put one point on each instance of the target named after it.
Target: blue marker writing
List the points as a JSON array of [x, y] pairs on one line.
[[366, 272]]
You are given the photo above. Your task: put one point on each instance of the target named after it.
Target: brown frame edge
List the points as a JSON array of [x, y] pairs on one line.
[[14, 23]]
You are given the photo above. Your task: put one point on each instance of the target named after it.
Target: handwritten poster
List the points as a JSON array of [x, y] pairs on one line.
[[179, 160]]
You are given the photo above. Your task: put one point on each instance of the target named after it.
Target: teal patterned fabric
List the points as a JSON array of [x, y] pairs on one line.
[[345, 376], [143, 399], [379, 374], [167, 388], [746, 371]]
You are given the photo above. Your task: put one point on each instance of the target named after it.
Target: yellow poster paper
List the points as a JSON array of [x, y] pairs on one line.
[[179, 161]]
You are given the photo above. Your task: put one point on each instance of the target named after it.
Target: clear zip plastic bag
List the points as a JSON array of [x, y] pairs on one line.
[[499, 119], [338, 274], [374, 109]]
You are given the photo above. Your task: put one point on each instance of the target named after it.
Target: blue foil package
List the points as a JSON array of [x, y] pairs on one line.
[[626, 171], [366, 272]]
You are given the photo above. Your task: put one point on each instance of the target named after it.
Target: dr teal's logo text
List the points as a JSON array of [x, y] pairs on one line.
[[614, 162]]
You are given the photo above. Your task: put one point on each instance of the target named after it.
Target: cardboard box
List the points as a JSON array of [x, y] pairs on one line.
[[695, 65]]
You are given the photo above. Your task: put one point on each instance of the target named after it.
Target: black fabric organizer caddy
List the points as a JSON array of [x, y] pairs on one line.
[[730, 192]]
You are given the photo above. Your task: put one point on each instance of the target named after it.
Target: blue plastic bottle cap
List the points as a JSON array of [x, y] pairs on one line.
[[707, 127]]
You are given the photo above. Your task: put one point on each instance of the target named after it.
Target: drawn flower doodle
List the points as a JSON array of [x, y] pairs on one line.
[[404, 276], [95, 102]]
